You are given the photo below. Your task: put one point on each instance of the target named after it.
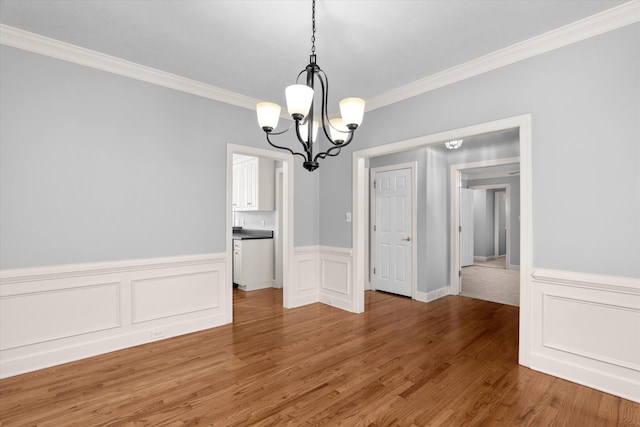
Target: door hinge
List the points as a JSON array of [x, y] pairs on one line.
[[374, 270], [459, 229], [374, 183], [459, 273], [374, 227]]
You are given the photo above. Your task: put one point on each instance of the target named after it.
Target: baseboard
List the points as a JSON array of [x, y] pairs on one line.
[[514, 267], [88, 309], [585, 329], [432, 295], [256, 286]]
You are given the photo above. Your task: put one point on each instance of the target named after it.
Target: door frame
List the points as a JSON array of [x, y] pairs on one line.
[[360, 209], [496, 225], [287, 219], [414, 221], [455, 182]]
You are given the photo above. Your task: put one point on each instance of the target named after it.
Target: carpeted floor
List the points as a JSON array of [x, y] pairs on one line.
[[491, 282]]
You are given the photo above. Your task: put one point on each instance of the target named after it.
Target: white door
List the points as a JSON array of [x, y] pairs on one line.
[[466, 227], [393, 232]]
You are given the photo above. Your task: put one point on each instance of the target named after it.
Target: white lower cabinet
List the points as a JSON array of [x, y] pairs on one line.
[[253, 264]]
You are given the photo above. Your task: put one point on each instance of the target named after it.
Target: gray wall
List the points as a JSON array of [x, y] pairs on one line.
[[581, 97], [97, 167]]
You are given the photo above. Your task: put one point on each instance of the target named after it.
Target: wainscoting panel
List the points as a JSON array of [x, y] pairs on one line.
[[323, 274], [161, 297], [54, 315], [305, 272], [587, 330], [336, 284]]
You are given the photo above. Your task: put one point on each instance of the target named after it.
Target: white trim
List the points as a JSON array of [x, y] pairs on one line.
[[36, 43], [360, 209], [287, 216], [66, 271], [629, 285], [414, 221], [608, 20], [432, 295], [496, 225]]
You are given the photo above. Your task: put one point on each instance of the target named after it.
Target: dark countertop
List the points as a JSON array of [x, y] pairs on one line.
[[240, 233]]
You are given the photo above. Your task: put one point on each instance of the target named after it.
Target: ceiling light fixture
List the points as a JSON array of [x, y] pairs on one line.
[[453, 145], [300, 100]]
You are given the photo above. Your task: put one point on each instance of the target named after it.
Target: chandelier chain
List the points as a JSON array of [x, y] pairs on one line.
[[313, 25]]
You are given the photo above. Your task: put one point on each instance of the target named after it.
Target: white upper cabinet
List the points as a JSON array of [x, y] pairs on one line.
[[253, 184]]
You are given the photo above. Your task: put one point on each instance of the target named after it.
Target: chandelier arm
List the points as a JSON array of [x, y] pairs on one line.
[[304, 144], [328, 153], [281, 132], [324, 83], [285, 148]]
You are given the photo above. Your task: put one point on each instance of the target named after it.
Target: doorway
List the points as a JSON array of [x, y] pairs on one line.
[[285, 232], [490, 274], [468, 179], [360, 210]]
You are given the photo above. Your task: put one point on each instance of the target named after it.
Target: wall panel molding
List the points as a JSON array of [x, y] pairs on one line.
[[586, 328], [58, 314], [55, 314]]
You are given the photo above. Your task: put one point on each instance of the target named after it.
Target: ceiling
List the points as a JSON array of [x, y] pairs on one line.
[[257, 47]]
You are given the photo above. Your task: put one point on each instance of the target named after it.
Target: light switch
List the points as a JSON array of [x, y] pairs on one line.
[[348, 216]]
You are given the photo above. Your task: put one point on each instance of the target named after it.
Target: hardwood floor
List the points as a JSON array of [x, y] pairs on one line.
[[450, 362]]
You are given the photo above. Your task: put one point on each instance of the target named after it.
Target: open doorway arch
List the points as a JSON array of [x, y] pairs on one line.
[[360, 210], [287, 218]]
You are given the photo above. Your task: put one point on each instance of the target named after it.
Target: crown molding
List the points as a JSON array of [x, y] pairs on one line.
[[608, 20], [36, 43]]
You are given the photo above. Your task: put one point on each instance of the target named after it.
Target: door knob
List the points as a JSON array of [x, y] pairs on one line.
[[407, 239]]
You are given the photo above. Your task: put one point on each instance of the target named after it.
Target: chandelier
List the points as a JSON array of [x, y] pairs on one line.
[[300, 102]]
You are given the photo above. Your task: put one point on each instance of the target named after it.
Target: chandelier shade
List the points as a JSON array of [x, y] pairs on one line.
[[352, 111], [268, 114], [299, 99], [339, 132], [304, 131], [300, 106]]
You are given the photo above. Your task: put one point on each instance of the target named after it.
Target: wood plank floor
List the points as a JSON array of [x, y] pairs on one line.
[[451, 362]]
